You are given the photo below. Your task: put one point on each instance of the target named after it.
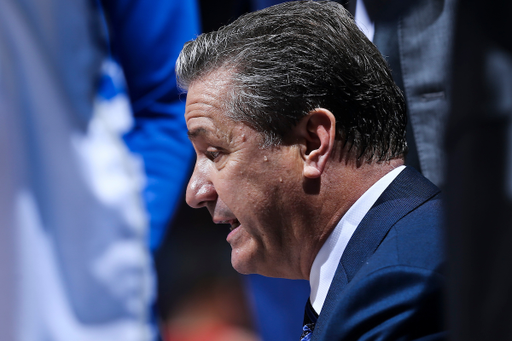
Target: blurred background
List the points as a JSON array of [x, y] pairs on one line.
[[96, 242]]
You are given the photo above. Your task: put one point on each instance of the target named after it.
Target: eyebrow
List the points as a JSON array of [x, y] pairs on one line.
[[197, 132]]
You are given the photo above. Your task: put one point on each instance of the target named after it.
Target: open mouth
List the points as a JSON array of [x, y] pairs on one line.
[[234, 224]]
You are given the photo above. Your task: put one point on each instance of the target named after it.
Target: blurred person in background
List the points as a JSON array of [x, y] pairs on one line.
[[73, 188], [145, 38], [416, 38], [74, 255]]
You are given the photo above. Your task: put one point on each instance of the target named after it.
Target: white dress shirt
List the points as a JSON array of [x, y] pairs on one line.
[[327, 260]]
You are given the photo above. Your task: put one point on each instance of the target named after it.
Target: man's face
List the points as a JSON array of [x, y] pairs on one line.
[[254, 189]]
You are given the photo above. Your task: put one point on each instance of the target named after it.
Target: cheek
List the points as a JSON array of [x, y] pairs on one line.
[[250, 187], [238, 178]]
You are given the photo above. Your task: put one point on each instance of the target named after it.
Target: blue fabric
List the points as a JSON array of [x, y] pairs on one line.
[[389, 283], [279, 306], [79, 267], [146, 38], [107, 87], [307, 332]]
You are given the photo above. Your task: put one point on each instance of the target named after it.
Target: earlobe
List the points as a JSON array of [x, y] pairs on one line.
[[311, 172], [319, 130]]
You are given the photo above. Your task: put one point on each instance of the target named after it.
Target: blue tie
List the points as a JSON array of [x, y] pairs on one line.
[[310, 317]]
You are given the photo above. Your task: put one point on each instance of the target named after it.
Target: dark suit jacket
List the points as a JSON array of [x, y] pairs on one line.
[[389, 283], [420, 64]]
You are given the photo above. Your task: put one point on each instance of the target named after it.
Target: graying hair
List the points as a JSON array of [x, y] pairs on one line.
[[288, 59]]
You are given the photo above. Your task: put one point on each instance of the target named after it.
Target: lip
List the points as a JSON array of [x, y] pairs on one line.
[[234, 227]]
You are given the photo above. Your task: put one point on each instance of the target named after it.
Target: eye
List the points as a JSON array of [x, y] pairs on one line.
[[212, 154]]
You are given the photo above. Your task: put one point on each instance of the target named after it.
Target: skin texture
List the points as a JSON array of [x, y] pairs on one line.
[[278, 200]]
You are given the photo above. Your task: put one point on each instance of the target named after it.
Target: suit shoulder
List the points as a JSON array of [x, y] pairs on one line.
[[417, 238]]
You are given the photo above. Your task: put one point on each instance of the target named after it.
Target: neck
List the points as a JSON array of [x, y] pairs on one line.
[[342, 184]]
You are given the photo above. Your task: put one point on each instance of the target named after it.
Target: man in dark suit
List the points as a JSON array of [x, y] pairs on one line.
[[299, 132], [415, 36]]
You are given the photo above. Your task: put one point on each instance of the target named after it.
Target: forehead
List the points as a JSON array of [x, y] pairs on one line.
[[207, 106], [207, 99], [209, 90]]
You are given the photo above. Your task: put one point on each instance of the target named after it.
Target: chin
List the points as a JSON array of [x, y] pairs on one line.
[[247, 263], [241, 266], [249, 268]]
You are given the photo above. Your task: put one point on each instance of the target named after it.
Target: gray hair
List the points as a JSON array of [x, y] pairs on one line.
[[286, 60]]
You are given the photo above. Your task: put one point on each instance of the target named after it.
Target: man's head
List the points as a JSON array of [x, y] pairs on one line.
[[276, 100]]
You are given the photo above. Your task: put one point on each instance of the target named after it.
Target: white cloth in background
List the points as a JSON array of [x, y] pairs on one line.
[[73, 254]]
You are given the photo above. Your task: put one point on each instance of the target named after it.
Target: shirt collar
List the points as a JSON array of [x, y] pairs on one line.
[[327, 260]]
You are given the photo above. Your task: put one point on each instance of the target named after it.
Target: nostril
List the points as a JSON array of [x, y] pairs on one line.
[[201, 204], [200, 193]]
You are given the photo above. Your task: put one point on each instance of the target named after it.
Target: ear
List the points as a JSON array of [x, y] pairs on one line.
[[318, 131]]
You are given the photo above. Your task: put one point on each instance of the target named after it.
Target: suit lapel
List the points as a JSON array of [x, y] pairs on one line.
[[404, 194]]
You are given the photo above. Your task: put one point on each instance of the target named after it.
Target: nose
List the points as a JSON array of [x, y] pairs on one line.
[[200, 189]]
